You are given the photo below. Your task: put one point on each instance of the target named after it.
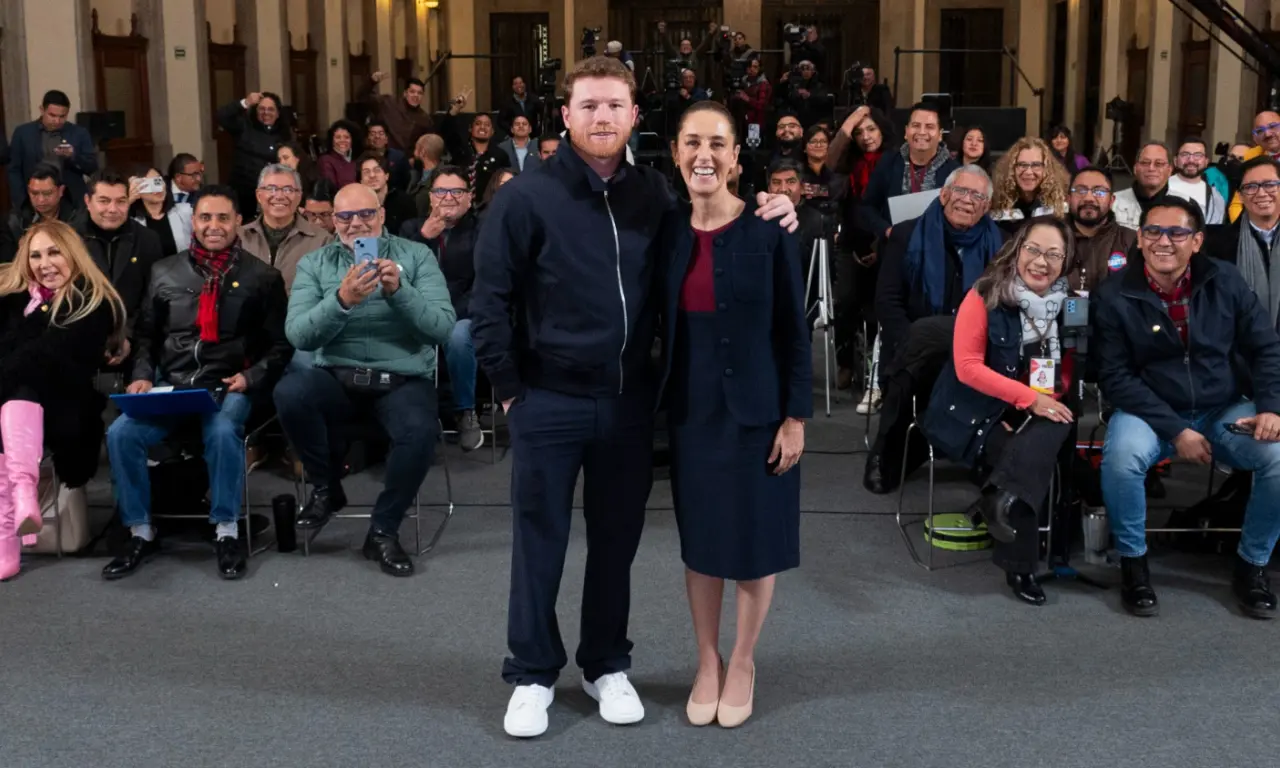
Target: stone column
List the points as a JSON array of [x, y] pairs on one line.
[[460, 32], [177, 63], [379, 34], [264, 29], [1033, 48], [327, 23], [1113, 65], [1076, 75], [1225, 90], [1160, 73], [745, 16], [32, 27]]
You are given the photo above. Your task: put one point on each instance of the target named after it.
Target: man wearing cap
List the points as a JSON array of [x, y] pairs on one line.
[[614, 51]]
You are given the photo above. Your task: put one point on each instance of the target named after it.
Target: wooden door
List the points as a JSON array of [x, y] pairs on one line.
[[226, 84], [120, 72], [1263, 99], [972, 79], [404, 71], [527, 37], [360, 69], [1058, 109], [1092, 83], [849, 31], [306, 97], [635, 23], [1193, 110], [1137, 97]]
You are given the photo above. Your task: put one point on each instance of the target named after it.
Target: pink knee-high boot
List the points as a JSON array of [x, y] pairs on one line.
[[10, 547], [22, 429]]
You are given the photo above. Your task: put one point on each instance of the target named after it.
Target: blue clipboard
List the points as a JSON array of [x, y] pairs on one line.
[[174, 402]]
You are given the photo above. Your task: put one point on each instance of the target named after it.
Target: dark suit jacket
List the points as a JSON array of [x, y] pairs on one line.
[[764, 340], [27, 152], [511, 109], [531, 160]]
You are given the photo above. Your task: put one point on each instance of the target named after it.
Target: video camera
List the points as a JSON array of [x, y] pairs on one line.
[[735, 76], [589, 41], [671, 74], [853, 84], [546, 85], [794, 34]]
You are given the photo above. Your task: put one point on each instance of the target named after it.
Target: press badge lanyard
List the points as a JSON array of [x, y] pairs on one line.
[[1041, 376]]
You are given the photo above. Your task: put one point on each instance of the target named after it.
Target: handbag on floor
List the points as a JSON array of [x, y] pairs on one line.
[[63, 507]]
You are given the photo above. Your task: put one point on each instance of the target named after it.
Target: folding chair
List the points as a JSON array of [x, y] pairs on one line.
[[371, 429]]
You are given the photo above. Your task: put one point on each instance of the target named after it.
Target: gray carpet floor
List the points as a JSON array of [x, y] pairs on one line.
[[866, 660]]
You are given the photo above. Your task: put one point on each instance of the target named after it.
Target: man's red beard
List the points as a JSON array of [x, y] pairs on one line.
[[594, 148]]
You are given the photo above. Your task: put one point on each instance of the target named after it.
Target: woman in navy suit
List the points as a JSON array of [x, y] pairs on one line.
[[739, 384]]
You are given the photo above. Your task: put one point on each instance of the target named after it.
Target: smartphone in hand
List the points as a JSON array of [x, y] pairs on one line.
[[1239, 429], [366, 251]]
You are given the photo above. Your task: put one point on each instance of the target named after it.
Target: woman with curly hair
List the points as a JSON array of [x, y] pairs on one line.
[[1029, 183]]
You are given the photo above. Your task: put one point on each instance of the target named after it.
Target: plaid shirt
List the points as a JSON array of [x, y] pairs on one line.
[[1177, 304]]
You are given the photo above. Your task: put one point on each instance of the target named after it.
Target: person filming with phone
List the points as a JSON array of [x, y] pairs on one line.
[[1188, 356], [372, 308], [51, 139]]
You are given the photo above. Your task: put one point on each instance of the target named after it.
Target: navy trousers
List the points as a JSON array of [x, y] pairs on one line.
[[553, 437]]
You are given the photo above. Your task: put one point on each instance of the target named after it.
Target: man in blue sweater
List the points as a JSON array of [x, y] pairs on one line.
[[563, 317]]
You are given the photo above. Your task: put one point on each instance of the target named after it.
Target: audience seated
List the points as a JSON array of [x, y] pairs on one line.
[[1251, 242], [213, 318], [337, 164], [1102, 245], [186, 177], [59, 317], [1169, 330], [785, 179], [522, 151], [1028, 183], [46, 199], [280, 237], [1150, 182], [317, 206], [998, 406], [373, 329], [1266, 139], [450, 231], [926, 268], [920, 164], [160, 213], [397, 206], [376, 142], [258, 125]]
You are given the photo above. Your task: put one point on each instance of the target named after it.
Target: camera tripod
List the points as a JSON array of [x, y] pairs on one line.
[[823, 306]]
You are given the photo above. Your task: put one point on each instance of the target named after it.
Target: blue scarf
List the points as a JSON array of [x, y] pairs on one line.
[[926, 264]]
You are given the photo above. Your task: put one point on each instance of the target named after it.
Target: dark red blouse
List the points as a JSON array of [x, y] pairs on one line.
[[698, 293]]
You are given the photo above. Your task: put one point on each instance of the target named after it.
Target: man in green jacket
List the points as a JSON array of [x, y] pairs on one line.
[[373, 328]]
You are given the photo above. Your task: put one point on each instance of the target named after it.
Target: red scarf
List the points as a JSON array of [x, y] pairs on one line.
[[860, 176], [213, 266]]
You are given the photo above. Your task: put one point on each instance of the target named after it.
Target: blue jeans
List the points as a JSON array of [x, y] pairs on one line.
[[300, 361], [460, 356], [128, 441], [1131, 448]]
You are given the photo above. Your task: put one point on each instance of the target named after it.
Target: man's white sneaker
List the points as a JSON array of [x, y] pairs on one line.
[[619, 702], [527, 711]]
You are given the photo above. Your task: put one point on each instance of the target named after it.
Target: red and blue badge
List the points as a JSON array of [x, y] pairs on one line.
[[1117, 261]]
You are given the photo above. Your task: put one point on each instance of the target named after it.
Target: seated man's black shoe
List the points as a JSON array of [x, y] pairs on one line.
[[387, 551], [995, 511], [1026, 588], [324, 502], [873, 478], [1253, 590], [974, 514], [232, 560], [1135, 590], [136, 552]]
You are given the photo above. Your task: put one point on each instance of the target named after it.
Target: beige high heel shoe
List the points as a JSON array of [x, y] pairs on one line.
[[704, 714], [730, 716]]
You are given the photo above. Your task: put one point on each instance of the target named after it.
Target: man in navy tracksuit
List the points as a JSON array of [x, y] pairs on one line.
[[563, 317]]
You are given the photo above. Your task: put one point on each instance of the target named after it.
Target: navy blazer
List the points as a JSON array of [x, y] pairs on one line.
[[760, 319], [27, 152]]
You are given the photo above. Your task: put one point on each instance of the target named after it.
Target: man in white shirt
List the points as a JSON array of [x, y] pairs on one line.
[[1188, 180], [1150, 181], [186, 176]]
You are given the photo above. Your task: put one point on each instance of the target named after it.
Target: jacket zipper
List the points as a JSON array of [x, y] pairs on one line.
[[1186, 358], [617, 249]]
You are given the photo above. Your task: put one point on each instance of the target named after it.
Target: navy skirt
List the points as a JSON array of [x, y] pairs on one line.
[[737, 519]]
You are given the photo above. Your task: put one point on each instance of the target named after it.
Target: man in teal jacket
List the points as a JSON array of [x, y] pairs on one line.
[[373, 328]]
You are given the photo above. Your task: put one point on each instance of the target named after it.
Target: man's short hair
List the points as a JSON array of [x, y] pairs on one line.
[[55, 99], [1193, 140], [599, 66], [1168, 153], [321, 192], [1261, 161], [378, 122], [1173, 201], [972, 170], [415, 81], [784, 164], [925, 106], [279, 168], [377, 157], [216, 190], [180, 161], [448, 170], [544, 139], [1111, 182], [107, 176], [46, 172]]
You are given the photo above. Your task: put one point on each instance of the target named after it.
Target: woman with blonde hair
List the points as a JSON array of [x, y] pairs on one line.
[[1028, 183], [60, 318]]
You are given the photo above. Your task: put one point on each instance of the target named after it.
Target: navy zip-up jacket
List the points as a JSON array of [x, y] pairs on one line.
[[1144, 368], [565, 296]]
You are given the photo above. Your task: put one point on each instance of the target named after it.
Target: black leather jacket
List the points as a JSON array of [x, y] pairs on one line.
[[251, 313]]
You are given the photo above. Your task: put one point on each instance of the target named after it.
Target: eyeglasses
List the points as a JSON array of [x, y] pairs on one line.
[[317, 215], [1254, 187], [1191, 155], [1036, 166], [818, 143], [365, 214], [1176, 234], [972, 194], [1098, 192], [1268, 128], [1050, 257], [443, 192], [1152, 164], [274, 190]]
